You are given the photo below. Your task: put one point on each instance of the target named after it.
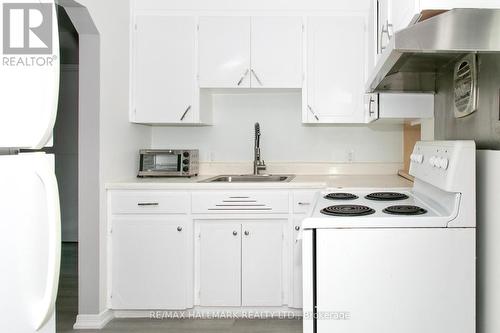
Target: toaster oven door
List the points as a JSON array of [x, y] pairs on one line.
[[167, 162]]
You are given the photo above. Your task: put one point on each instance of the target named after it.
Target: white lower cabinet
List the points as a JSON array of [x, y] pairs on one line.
[[303, 203], [171, 250], [296, 283], [220, 264], [261, 269], [150, 262], [240, 263]]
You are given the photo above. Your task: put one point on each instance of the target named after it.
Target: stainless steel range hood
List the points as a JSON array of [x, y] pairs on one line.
[[415, 54]]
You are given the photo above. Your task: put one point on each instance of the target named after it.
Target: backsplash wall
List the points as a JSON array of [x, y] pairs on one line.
[[284, 137]]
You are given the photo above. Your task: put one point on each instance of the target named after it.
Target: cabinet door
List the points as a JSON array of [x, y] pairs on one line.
[[277, 52], [149, 263], [224, 52], [164, 78], [403, 12], [336, 54], [384, 24], [262, 255], [296, 299], [220, 264]]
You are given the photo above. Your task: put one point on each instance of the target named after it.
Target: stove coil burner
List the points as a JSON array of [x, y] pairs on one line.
[[340, 196], [404, 210], [347, 210], [386, 196]]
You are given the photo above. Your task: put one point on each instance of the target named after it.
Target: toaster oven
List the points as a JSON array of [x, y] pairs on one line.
[[168, 163]]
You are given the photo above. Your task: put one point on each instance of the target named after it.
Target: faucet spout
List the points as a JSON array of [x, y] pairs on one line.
[[258, 164]]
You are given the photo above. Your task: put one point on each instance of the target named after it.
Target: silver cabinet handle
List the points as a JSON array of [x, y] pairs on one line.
[[243, 77], [382, 32], [370, 110], [385, 31], [297, 228], [312, 111], [148, 204], [389, 33], [247, 232], [179, 228], [235, 233], [256, 77], [185, 113], [304, 203]]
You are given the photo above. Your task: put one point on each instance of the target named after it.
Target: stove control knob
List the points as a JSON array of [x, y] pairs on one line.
[[419, 158], [443, 163], [412, 158], [432, 161]]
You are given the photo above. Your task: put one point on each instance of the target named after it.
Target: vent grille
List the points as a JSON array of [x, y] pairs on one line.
[[465, 83]]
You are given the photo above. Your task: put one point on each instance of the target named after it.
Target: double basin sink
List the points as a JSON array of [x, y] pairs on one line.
[[250, 179]]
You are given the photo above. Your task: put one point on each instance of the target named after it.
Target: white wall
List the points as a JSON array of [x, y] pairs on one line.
[[284, 138], [66, 152], [119, 139]]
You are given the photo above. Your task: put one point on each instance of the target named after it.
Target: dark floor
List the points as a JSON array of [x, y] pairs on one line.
[[67, 298], [67, 308]]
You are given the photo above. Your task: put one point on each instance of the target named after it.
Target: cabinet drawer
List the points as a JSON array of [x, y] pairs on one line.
[[240, 202], [149, 202], [303, 201]]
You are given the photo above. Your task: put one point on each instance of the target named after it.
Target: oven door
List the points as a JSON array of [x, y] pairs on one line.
[[160, 164], [168, 163], [395, 280]]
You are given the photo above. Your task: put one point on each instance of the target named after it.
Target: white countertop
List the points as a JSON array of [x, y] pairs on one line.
[[299, 182]]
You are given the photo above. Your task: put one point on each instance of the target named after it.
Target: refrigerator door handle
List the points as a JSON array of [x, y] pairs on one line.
[[45, 308]]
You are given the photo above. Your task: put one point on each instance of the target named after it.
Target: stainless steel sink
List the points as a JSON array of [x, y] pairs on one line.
[[249, 179]]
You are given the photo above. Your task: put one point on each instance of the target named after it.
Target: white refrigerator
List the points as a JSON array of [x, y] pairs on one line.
[[30, 240]]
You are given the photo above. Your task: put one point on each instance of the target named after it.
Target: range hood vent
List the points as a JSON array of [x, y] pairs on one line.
[[415, 55]]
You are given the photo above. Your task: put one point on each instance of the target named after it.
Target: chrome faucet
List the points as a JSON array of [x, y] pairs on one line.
[[258, 164]]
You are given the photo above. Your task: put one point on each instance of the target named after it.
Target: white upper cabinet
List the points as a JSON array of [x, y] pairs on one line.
[[398, 107], [276, 52], [224, 52], [164, 70], [384, 25], [402, 13], [335, 75], [257, 52]]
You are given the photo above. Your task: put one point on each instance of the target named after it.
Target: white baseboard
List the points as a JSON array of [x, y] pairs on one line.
[[98, 321], [199, 312]]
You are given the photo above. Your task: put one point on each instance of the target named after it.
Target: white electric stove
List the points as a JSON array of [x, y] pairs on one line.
[[396, 260]]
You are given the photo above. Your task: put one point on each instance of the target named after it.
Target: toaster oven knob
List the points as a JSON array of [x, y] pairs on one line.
[[185, 154], [186, 161], [185, 169]]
